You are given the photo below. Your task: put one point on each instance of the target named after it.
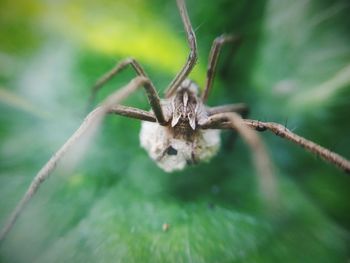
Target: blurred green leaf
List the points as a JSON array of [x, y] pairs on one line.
[[112, 207]]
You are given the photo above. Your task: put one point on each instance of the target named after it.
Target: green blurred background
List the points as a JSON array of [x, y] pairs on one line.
[[293, 67]]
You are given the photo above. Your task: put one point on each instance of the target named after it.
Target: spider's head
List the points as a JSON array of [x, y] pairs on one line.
[[185, 104]]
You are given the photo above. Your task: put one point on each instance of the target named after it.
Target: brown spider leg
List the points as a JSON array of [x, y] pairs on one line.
[[262, 161], [192, 57], [90, 123], [240, 108], [310, 146], [133, 113], [213, 59], [151, 92]]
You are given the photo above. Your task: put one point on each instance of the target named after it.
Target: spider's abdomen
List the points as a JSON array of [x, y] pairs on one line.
[[172, 153]]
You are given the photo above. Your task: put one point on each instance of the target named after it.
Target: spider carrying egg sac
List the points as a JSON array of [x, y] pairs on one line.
[[181, 142], [173, 154]]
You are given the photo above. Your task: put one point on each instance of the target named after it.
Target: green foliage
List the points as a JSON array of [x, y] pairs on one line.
[[112, 207]]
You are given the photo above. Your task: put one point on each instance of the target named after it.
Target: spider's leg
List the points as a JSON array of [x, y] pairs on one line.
[[240, 108], [213, 59], [90, 123], [151, 92], [132, 112], [192, 57], [261, 158], [310, 146]]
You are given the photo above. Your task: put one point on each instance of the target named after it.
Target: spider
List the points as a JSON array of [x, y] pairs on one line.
[[180, 129]]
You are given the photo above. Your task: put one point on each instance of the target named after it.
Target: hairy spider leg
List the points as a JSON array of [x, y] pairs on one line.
[[213, 59], [283, 132], [192, 57], [151, 91], [310, 146], [240, 108], [90, 122], [261, 160]]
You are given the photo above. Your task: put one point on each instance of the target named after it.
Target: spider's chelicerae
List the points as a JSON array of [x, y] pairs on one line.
[[180, 129]]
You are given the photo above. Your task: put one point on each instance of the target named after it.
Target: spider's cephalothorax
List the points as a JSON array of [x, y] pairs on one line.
[[180, 142], [185, 110]]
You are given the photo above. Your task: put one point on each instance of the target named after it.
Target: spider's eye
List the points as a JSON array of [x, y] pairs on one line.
[[171, 151]]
